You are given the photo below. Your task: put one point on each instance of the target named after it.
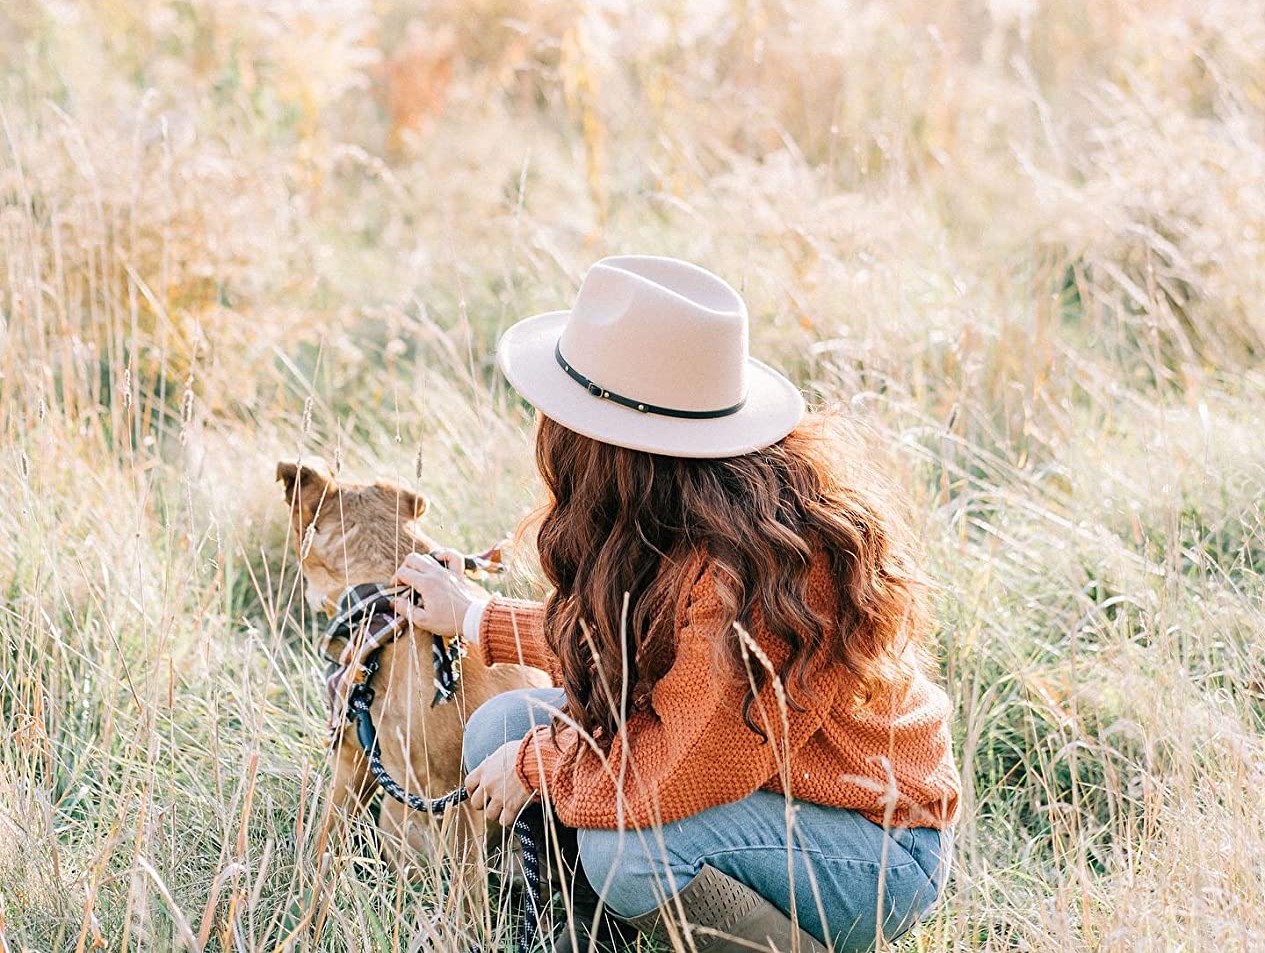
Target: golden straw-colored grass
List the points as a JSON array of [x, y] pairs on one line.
[[1022, 241]]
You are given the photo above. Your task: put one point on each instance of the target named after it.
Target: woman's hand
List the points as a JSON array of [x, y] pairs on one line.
[[495, 788], [442, 593]]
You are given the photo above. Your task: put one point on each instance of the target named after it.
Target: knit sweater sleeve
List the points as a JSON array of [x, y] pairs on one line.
[[692, 749], [512, 631]]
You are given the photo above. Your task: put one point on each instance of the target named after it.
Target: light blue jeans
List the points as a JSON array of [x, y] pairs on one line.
[[829, 868]]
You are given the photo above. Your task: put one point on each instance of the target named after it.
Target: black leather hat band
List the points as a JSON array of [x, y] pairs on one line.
[[597, 390]]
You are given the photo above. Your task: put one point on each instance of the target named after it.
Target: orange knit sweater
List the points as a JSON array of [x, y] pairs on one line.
[[691, 750]]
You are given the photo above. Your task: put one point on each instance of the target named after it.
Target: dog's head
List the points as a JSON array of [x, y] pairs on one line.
[[349, 533]]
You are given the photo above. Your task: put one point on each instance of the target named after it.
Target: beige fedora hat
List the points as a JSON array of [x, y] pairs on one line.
[[652, 356]]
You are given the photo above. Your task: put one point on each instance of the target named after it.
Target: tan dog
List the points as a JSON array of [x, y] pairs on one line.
[[351, 533]]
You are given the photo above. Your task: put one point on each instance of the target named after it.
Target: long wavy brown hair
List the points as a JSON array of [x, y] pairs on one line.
[[618, 530]]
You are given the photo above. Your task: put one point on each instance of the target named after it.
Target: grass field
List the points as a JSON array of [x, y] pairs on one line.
[[1022, 242]]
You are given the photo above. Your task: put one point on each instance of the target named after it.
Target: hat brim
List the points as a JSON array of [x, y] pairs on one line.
[[525, 354]]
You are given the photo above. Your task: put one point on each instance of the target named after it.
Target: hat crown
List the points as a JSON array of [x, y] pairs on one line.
[[659, 331]]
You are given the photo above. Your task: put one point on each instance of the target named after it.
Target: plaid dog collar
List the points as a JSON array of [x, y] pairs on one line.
[[366, 619]]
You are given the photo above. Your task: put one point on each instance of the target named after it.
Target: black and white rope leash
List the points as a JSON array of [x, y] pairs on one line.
[[358, 608]]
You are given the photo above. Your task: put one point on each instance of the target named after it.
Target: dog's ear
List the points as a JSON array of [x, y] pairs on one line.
[[406, 503], [413, 503], [306, 488]]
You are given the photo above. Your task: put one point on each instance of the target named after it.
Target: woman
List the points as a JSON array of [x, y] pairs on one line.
[[745, 737]]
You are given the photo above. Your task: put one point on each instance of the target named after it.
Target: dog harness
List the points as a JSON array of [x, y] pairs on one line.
[[366, 622]]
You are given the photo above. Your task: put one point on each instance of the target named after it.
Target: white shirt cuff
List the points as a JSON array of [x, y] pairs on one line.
[[473, 619]]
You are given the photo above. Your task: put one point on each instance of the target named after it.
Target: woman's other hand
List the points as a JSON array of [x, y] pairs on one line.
[[495, 787], [441, 592]]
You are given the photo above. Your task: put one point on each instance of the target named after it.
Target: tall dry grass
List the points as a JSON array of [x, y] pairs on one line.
[[1023, 240]]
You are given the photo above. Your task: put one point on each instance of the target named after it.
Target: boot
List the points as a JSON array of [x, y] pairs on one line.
[[725, 916]]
